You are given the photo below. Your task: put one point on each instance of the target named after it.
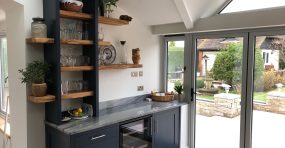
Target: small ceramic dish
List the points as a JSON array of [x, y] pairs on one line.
[[71, 5]]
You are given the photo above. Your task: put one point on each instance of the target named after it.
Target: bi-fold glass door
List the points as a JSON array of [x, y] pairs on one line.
[[267, 89], [220, 69], [238, 91]]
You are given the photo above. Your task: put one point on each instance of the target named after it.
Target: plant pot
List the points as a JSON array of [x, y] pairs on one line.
[[179, 97], [39, 90]]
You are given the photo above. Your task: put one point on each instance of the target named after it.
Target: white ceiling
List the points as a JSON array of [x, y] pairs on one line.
[[152, 12], [160, 12], [2, 13], [2, 20]]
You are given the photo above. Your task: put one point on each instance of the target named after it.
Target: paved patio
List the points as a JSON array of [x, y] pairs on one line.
[[221, 132]]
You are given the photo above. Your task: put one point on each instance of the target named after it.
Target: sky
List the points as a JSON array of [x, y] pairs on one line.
[[244, 5]]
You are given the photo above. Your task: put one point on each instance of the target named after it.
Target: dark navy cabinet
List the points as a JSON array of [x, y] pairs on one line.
[[105, 137], [165, 133], [166, 129]]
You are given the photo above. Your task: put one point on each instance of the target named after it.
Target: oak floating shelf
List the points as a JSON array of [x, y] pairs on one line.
[[104, 43], [120, 66], [77, 68], [77, 42], [44, 99], [40, 40], [70, 42], [75, 95], [112, 21], [75, 15]]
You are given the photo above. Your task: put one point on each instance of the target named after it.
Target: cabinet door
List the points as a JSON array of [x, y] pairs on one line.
[[166, 129], [106, 137]]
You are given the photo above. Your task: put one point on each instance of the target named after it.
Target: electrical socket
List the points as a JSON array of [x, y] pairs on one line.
[[140, 88], [134, 74], [140, 73]]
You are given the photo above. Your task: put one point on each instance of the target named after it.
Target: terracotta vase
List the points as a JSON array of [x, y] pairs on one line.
[[136, 59], [39, 90]]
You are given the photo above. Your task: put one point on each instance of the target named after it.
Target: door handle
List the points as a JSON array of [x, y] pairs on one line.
[[98, 137], [192, 94]]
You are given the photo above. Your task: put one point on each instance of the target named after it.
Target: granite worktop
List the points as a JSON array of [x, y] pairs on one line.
[[116, 114]]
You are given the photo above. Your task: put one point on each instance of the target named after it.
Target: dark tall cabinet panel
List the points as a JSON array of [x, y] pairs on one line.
[[166, 129], [52, 54]]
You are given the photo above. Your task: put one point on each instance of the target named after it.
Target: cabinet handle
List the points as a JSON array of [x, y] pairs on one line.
[[98, 137], [154, 126]]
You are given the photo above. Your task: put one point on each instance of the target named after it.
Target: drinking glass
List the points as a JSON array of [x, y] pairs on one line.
[[65, 87], [86, 34]]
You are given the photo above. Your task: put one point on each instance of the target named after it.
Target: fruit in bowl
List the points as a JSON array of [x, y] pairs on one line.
[[71, 5], [77, 112]]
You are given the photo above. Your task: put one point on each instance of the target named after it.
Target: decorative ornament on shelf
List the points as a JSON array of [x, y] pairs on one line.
[[101, 34], [109, 4], [38, 28], [126, 18], [136, 56], [107, 55], [124, 55], [71, 5], [35, 74]]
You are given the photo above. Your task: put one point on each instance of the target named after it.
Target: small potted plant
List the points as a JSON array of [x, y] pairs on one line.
[[35, 74], [109, 4], [178, 87]]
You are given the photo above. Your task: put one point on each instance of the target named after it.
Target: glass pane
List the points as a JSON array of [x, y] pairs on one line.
[[269, 92], [175, 64], [246, 5], [4, 73], [218, 87]]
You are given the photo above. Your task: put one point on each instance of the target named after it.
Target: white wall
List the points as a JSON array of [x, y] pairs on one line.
[[116, 84], [27, 119], [16, 60]]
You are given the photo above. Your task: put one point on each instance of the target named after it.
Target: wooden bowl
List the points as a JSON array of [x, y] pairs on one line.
[[71, 7]]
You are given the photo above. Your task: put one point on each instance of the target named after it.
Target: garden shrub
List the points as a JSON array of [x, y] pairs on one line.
[[228, 64], [200, 83], [267, 81]]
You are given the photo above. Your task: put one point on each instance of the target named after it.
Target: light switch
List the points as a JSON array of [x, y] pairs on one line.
[[140, 73], [140, 88], [134, 74]]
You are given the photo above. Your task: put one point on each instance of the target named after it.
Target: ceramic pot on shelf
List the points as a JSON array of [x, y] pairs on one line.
[[136, 57], [38, 28], [39, 90], [71, 5]]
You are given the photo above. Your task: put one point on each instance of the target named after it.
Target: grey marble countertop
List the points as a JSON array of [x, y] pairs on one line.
[[115, 115]]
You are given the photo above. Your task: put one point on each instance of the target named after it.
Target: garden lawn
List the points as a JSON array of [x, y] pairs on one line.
[[210, 98], [260, 96]]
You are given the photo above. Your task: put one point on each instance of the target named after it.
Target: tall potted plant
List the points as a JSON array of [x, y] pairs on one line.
[[178, 87], [109, 4], [35, 74]]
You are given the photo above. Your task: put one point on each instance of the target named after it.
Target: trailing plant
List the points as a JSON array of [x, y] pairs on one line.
[[178, 87], [35, 72], [110, 3]]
